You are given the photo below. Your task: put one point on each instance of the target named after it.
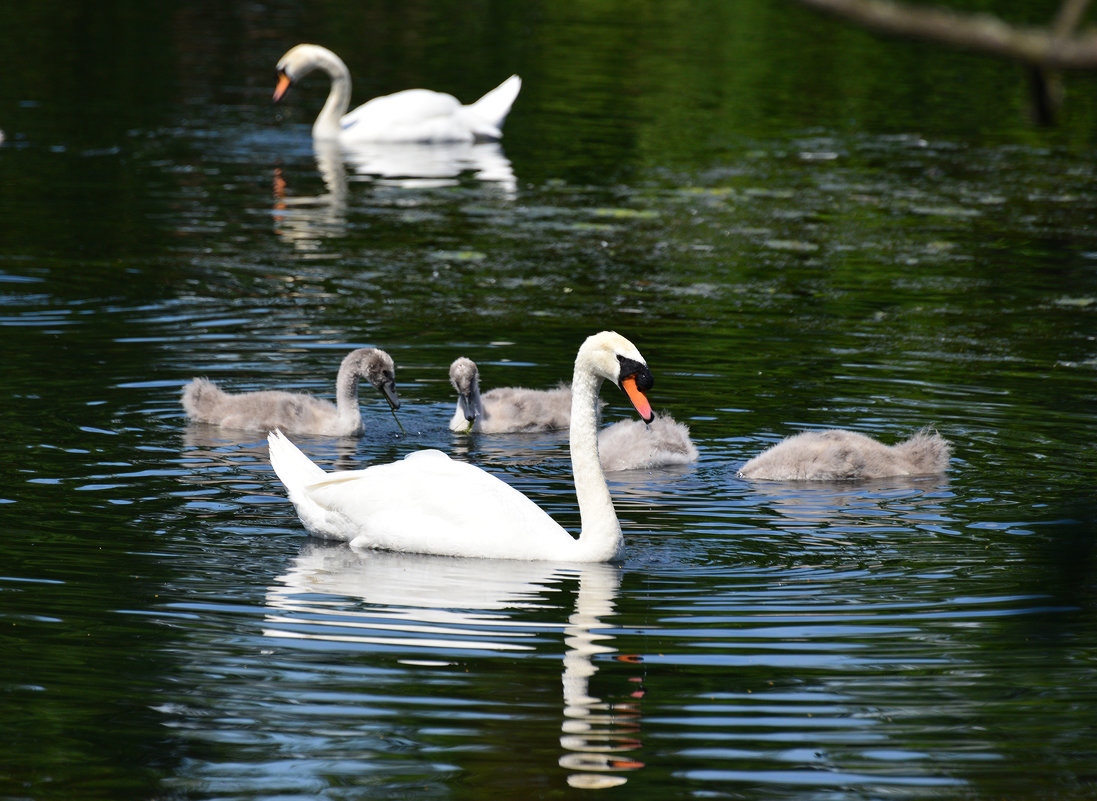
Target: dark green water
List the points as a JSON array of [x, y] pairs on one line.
[[799, 226]]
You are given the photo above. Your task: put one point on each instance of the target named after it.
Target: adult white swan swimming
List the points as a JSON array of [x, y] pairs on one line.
[[413, 115], [428, 503]]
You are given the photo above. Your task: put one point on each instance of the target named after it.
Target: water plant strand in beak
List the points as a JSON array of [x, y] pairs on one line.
[[397, 419]]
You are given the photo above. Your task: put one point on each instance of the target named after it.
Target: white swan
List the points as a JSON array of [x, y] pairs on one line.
[[428, 503], [205, 402], [837, 454], [414, 115], [625, 445]]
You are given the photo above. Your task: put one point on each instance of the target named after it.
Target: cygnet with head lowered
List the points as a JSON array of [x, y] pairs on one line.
[[625, 445], [505, 410], [837, 455], [297, 412]]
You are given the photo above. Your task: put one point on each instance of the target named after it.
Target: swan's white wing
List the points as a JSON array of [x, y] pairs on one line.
[[428, 503], [414, 115]]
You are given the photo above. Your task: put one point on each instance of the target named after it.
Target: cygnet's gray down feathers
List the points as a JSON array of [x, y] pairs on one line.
[[837, 454], [625, 445], [296, 412]]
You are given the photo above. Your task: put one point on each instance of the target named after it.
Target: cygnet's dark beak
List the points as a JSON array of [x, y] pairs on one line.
[[388, 389], [466, 406]]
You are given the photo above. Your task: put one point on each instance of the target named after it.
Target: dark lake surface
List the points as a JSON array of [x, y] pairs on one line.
[[798, 225]]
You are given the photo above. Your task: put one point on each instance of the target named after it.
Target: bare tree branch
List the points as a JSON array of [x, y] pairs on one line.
[[1051, 48], [1070, 14]]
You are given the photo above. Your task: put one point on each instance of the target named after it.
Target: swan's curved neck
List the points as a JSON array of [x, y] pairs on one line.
[[346, 396], [600, 535], [327, 125]]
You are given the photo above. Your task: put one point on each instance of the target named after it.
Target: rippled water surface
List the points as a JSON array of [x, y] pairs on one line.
[[791, 227]]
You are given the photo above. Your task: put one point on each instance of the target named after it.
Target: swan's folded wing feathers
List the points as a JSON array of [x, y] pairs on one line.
[[333, 479], [429, 503], [411, 107]]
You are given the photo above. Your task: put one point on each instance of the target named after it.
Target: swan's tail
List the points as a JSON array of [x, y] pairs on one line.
[[487, 114], [299, 474], [927, 452], [293, 468]]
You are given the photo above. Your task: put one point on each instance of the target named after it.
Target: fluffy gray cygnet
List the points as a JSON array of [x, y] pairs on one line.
[[837, 454], [296, 412], [505, 410], [625, 445], [634, 445]]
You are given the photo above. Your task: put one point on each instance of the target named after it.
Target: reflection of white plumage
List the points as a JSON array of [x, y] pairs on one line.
[[414, 115], [430, 607], [625, 445], [419, 588], [205, 402], [836, 454], [428, 503]]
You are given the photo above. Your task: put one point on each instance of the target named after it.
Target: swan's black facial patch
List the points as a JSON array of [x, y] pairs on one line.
[[639, 370]]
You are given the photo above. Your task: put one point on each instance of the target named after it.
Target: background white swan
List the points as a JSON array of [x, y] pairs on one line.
[[413, 115], [297, 412], [428, 503], [838, 454], [625, 445]]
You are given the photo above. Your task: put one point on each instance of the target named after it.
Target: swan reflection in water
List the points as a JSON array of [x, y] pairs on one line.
[[894, 501], [444, 605], [307, 221], [207, 447]]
